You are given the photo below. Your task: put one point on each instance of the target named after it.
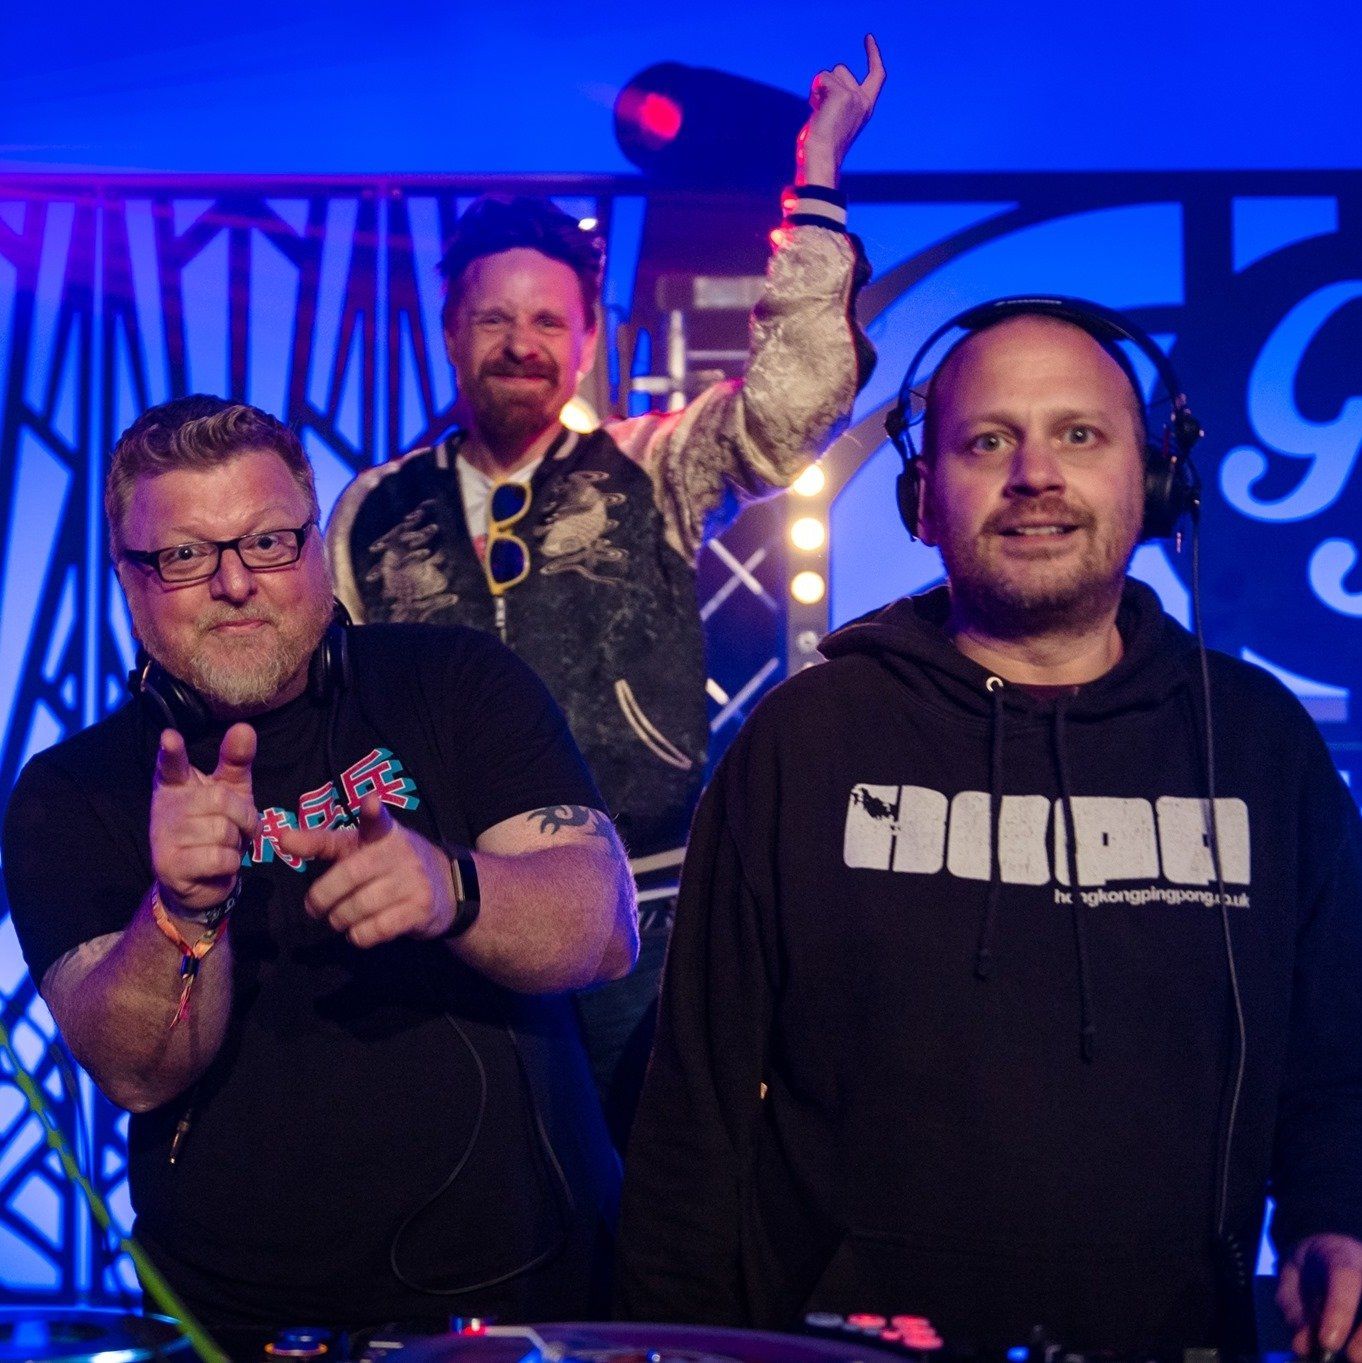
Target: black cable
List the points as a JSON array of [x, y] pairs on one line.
[[1213, 840], [568, 1204], [465, 1155]]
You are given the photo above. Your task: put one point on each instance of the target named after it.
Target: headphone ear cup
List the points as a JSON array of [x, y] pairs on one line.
[[1171, 492], [907, 490], [176, 704], [322, 669], [329, 671], [1157, 490]]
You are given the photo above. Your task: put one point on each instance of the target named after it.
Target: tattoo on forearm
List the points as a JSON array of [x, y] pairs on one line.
[[555, 818]]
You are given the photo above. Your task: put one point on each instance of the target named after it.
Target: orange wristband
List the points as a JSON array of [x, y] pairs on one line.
[[191, 953]]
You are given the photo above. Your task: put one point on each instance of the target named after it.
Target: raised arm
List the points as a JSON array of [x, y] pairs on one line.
[[806, 358], [117, 998]]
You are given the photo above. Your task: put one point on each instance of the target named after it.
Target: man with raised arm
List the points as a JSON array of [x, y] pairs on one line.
[[307, 905], [580, 550]]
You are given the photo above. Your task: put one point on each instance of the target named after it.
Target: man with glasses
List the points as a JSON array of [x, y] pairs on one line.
[[306, 906], [579, 551]]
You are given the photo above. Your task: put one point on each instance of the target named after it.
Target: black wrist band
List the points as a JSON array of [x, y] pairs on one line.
[[814, 206], [463, 871], [208, 918], [825, 193]]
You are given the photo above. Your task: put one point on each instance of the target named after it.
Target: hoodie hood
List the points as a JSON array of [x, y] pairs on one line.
[[909, 638]]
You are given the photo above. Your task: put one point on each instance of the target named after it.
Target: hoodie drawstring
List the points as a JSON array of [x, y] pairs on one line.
[[983, 954], [1087, 1026]]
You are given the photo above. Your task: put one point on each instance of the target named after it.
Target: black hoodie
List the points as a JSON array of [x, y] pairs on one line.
[[897, 1073]]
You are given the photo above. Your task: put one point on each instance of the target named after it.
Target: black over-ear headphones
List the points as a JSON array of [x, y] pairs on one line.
[[1172, 485], [180, 707]]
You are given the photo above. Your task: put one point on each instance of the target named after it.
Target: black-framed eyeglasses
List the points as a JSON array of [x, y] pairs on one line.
[[198, 560], [506, 560]]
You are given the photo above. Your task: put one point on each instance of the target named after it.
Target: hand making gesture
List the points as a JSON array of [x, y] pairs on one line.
[[842, 106], [1319, 1290], [201, 823], [385, 881]]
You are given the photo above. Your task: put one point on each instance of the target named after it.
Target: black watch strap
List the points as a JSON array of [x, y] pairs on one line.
[[210, 918], [467, 895]]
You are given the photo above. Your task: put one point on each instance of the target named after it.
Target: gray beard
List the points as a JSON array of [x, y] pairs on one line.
[[252, 681], [252, 684]]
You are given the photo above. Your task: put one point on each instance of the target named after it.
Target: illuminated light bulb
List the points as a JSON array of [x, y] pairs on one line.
[[579, 416], [588, 224], [808, 533], [811, 482], [808, 588]]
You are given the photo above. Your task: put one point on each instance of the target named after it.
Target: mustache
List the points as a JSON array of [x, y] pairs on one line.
[[1043, 511], [520, 369], [229, 616]]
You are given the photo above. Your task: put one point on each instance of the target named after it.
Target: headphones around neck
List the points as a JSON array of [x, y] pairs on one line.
[[1172, 485], [179, 706]]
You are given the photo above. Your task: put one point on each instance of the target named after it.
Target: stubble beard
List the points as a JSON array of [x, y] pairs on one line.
[[239, 677], [1022, 600]]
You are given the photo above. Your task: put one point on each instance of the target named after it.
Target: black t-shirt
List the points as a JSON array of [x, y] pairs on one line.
[[351, 1083]]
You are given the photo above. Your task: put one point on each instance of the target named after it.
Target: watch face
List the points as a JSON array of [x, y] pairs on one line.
[[469, 890]]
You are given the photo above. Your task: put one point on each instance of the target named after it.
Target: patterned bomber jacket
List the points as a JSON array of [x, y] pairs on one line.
[[608, 616]]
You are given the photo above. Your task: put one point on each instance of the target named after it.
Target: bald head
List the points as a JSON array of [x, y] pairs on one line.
[[1067, 353]]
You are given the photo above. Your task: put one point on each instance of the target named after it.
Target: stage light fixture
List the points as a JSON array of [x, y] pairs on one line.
[[808, 588], [811, 482], [579, 415], [808, 533], [702, 126]]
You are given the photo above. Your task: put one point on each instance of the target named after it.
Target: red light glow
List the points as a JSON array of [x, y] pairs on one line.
[[657, 118]]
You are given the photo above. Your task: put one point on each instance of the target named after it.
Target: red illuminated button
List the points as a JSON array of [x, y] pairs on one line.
[[861, 1320]]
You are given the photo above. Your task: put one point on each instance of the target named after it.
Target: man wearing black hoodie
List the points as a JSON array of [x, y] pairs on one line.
[[922, 1049]]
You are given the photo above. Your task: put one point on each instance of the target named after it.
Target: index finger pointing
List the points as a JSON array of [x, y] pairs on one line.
[[235, 756], [172, 759], [874, 79], [317, 844], [374, 820]]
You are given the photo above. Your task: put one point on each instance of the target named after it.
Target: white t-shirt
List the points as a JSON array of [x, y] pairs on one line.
[[476, 488]]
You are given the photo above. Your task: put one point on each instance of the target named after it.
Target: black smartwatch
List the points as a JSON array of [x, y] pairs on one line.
[[463, 871]]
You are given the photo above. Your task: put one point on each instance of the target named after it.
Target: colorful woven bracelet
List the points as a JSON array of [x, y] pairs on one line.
[[191, 953]]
